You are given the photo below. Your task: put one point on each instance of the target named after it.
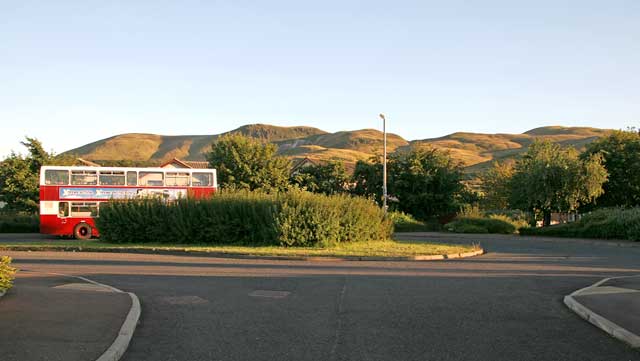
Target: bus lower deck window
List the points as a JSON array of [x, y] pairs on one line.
[[84, 209], [63, 209]]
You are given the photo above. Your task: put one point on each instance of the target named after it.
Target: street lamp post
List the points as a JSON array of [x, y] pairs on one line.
[[384, 164]]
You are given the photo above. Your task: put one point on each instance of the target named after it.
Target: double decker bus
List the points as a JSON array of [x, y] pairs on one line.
[[70, 197]]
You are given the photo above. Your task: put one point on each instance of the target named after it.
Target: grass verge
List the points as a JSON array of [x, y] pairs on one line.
[[388, 248]]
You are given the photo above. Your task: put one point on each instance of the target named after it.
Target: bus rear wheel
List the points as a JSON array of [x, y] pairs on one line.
[[82, 231]]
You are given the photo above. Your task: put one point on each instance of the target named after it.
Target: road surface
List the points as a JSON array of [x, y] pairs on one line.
[[504, 305]]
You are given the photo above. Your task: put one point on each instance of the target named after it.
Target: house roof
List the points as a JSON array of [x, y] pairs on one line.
[[87, 163], [186, 164]]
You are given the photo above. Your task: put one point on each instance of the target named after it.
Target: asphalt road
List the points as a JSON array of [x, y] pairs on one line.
[[505, 305]]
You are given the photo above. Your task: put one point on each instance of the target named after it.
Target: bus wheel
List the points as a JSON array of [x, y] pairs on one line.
[[82, 231]]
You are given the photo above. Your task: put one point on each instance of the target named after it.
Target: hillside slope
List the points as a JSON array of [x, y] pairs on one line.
[[475, 151]]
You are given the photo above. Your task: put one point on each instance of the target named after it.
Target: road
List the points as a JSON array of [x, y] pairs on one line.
[[504, 305]]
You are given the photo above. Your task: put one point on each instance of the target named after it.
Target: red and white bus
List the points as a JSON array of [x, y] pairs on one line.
[[70, 197]]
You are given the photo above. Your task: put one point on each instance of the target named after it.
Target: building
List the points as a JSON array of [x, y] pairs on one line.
[[177, 163]]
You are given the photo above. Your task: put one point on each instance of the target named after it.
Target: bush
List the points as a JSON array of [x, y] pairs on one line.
[[480, 225], [606, 223], [295, 218], [6, 273], [19, 223], [403, 222]]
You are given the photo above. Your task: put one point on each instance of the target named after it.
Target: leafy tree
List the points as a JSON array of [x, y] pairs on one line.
[[18, 184], [496, 186], [621, 156], [19, 176], [329, 178], [426, 183], [549, 178], [367, 179], [248, 163]]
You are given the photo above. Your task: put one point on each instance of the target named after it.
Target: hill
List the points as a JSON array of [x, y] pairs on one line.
[[475, 151]]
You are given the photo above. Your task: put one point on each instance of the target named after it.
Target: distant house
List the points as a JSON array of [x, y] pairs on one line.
[[301, 164], [85, 163], [177, 163]]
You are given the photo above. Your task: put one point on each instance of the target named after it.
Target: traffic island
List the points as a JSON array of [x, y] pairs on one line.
[[388, 250], [613, 305]]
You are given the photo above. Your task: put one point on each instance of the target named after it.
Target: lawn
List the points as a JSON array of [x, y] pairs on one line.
[[388, 248]]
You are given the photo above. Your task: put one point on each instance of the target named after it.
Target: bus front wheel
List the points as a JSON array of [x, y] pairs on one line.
[[82, 231]]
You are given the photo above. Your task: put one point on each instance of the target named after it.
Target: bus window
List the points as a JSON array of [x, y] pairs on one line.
[[84, 177], [177, 179], [151, 179], [132, 178], [201, 179], [84, 209], [112, 178], [63, 209], [56, 177]]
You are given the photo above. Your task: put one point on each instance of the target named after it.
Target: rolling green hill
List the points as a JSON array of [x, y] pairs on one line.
[[475, 151]]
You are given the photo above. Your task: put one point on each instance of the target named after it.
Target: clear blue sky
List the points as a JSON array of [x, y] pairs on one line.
[[72, 72]]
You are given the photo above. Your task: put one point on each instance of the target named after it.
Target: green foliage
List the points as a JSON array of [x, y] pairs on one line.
[[496, 186], [550, 178], [605, 223], [247, 163], [426, 183], [19, 176], [621, 157], [495, 224], [6, 273], [11, 222], [403, 222], [367, 179], [329, 178], [294, 218]]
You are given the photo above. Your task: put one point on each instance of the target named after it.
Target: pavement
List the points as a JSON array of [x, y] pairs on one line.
[[504, 305], [50, 317]]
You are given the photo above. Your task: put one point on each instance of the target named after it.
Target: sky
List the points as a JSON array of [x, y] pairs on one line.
[[73, 72]]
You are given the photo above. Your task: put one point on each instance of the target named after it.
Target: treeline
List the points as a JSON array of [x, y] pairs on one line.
[[424, 183]]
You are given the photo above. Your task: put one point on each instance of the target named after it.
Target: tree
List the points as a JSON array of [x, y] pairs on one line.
[[549, 178], [367, 179], [248, 163], [621, 156], [329, 178], [426, 183], [496, 185], [19, 176]]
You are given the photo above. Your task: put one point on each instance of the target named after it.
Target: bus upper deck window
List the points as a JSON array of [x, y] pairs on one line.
[[151, 179], [112, 178], [201, 179], [84, 177], [132, 178], [56, 177]]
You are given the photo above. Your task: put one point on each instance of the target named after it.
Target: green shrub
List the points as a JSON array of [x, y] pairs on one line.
[[6, 273], [403, 222], [480, 225], [295, 218], [606, 223], [19, 223]]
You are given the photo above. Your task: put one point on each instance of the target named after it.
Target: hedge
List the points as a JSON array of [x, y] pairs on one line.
[[606, 223], [19, 223], [481, 225], [294, 218], [6, 273]]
